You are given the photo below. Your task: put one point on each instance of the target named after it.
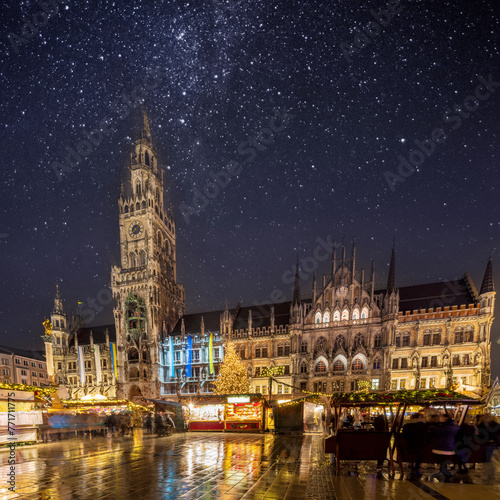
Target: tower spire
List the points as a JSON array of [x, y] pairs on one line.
[[145, 130], [296, 288], [58, 307], [391, 279], [488, 284]]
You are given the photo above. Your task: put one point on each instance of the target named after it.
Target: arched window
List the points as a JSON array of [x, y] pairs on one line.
[[287, 348], [303, 346], [355, 314], [145, 355], [137, 206], [303, 367], [469, 334], [280, 350], [336, 316], [320, 367], [132, 260], [138, 190], [132, 208], [317, 318], [326, 317], [144, 206], [406, 339], [459, 335], [142, 258], [159, 238], [126, 209], [338, 366], [427, 337], [364, 313], [133, 355], [345, 314], [147, 158], [357, 365], [377, 341]]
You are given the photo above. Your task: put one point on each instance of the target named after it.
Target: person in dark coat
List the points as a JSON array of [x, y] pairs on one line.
[[415, 433], [444, 444], [380, 425]]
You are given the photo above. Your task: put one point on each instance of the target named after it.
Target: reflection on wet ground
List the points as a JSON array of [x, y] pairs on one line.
[[219, 466]]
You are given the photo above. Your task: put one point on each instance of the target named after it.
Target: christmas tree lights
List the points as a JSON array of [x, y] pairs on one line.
[[233, 377]]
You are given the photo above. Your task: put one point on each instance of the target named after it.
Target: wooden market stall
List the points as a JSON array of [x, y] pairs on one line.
[[235, 413], [365, 444], [20, 413]]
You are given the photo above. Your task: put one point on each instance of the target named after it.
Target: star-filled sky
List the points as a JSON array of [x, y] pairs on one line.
[[314, 114]]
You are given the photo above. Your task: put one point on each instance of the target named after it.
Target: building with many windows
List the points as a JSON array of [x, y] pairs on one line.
[[20, 366], [347, 334]]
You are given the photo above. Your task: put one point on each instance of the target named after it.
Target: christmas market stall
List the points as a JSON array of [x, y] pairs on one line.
[[206, 413], [299, 415], [238, 413], [246, 413], [21, 412], [87, 415], [171, 408], [359, 442]]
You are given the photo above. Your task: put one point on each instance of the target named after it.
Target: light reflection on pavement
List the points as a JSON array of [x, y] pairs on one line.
[[216, 466]]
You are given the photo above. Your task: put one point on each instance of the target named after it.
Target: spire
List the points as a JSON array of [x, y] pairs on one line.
[[58, 307], [391, 280], [296, 288], [488, 284], [353, 263], [145, 130]]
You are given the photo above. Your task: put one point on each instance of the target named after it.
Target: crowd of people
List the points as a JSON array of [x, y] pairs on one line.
[[122, 424], [431, 435]]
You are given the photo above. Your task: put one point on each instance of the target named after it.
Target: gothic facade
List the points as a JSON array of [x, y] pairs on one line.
[[351, 335], [347, 335]]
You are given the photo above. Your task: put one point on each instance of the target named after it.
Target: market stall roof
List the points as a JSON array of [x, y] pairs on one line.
[[213, 399], [416, 397], [163, 402]]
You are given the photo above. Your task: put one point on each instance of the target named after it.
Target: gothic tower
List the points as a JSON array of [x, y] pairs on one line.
[[147, 298]]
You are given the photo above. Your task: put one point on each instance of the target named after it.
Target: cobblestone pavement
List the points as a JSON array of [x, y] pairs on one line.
[[217, 466]]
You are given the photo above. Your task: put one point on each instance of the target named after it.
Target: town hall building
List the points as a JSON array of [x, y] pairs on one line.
[[346, 335]]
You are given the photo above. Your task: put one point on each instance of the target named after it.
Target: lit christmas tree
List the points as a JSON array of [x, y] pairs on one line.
[[233, 377]]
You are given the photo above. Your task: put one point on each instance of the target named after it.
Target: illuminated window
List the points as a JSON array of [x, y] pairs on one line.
[[320, 367], [357, 365], [375, 384], [257, 389], [287, 389], [336, 316], [345, 314], [338, 366], [317, 318], [355, 314], [402, 383], [326, 317], [432, 383], [466, 359], [394, 385], [364, 313], [280, 389], [423, 383], [464, 380]]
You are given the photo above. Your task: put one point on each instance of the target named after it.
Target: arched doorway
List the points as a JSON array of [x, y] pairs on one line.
[[134, 393]]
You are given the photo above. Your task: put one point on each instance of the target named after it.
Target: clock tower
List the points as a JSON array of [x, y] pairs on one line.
[[148, 301]]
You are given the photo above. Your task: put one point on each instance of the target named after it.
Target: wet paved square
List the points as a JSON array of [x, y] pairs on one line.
[[217, 466]]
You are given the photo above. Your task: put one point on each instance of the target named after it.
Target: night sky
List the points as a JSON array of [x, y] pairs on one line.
[[217, 77]]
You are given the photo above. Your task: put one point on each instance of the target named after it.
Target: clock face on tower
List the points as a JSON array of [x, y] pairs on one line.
[[136, 229]]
